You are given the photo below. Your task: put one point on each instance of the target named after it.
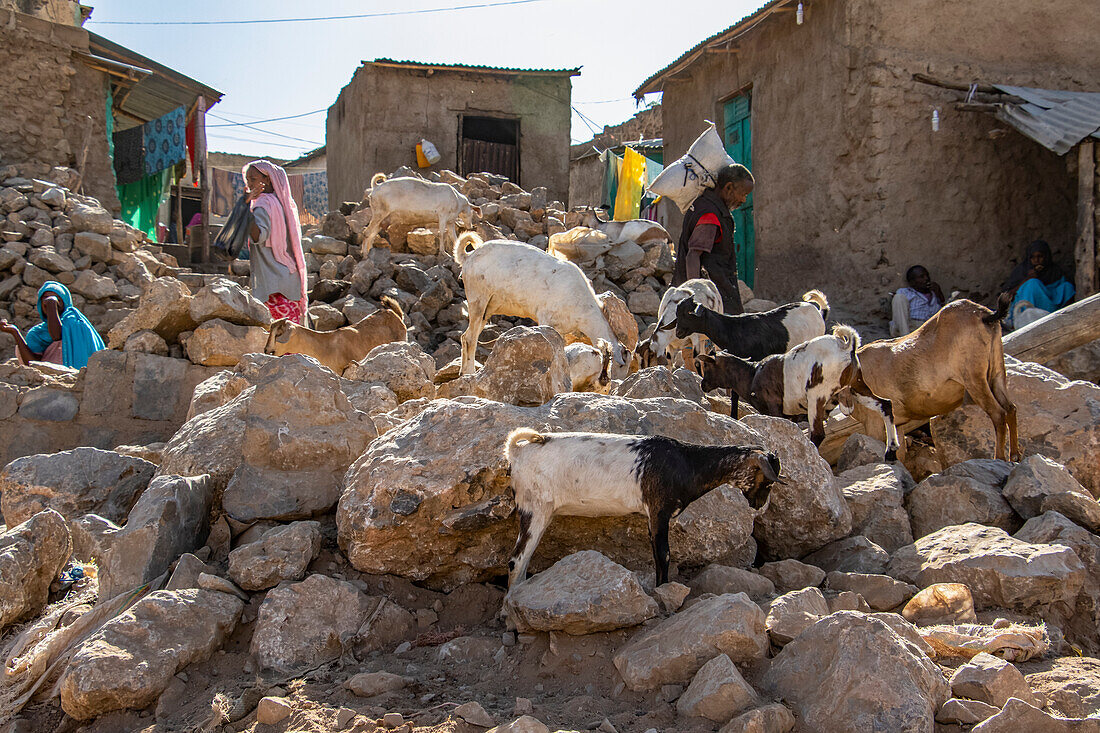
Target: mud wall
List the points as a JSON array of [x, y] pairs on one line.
[[383, 112]]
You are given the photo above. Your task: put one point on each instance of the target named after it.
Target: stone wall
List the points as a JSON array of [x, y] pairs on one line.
[[48, 96], [853, 186], [383, 113], [121, 398]]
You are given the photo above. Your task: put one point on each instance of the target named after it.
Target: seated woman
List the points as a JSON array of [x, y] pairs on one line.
[[1038, 286], [65, 336], [915, 304]]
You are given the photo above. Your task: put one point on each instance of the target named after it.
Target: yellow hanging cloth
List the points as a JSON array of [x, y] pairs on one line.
[[632, 181]]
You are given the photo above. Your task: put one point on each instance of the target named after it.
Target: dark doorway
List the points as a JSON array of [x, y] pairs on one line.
[[490, 144]]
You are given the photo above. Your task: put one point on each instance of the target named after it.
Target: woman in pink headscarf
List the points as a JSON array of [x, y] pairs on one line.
[[275, 242]]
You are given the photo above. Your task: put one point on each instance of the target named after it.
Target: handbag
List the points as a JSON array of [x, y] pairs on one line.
[[234, 235]]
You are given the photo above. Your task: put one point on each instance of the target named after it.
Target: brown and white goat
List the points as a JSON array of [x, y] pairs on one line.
[[803, 381], [337, 349], [599, 475], [927, 373]]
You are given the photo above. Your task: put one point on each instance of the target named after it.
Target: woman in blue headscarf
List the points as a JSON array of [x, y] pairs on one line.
[[1038, 286], [65, 336]]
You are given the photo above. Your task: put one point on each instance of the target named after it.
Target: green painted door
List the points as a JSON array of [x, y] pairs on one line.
[[738, 139]]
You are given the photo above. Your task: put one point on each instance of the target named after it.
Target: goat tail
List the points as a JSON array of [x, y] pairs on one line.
[[466, 239], [521, 435], [817, 298], [848, 337], [1004, 302], [393, 305], [605, 361], [376, 179]]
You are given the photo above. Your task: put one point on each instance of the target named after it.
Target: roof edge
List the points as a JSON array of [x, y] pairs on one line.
[[397, 64]]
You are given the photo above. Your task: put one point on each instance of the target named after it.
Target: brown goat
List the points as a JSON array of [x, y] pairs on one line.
[[337, 349], [956, 352]]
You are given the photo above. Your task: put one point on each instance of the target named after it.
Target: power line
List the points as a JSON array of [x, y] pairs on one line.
[[265, 132], [270, 119], [220, 136], [424, 11]]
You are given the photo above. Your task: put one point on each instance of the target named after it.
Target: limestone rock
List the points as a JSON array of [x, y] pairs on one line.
[[402, 366], [1000, 571], [164, 307], [370, 684], [325, 317], [74, 482], [93, 286], [671, 596], [32, 555], [659, 381], [943, 501], [272, 710], [90, 218], [809, 511], [1018, 715], [170, 518], [522, 724], [850, 555], [991, 680], [389, 518], [283, 553], [941, 603], [788, 575], [422, 241], [881, 592], [719, 579], [675, 649], [1070, 685], [209, 442], [132, 658], [473, 713], [964, 712], [146, 342], [1058, 418], [860, 450], [96, 246], [230, 302], [771, 718], [792, 613], [900, 689], [715, 528], [221, 343], [717, 692], [1077, 506], [874, 493], [580, 594], [1035, 478], [527, 367], [987, 471]]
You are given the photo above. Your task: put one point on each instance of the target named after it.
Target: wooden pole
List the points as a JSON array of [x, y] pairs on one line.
[[1086, 220], [181, 230], [204, 179]]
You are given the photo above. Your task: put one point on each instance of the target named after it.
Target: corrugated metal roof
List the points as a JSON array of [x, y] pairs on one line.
[[650, 85], [1055, 119], [476, 69]]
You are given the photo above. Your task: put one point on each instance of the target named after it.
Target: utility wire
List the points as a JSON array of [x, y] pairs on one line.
[[265, 132], [220, 136], [270, 119], [391, 13]]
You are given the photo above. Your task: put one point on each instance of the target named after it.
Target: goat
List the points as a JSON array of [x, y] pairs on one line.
[[421, 200], [502, 277], [588, 366], [597, 475], [803, 381], [663, 344], [337, 349], [639, 231], [927, 373], [756, 335]]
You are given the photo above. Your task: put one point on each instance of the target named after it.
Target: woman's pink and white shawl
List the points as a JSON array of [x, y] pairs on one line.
[[285, 224]]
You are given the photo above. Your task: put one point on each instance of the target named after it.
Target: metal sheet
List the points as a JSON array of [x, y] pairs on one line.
[[1058, 120]]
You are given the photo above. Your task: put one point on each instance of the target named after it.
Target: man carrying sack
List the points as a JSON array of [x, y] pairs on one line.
[[706, 240]]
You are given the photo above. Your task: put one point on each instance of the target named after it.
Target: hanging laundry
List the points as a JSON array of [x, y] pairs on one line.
[[165, 141], [632, 182], [612, 164], [316, 193], [129, 155], [140, 201]]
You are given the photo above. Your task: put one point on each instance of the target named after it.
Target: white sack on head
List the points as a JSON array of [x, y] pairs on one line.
[[684, 180]]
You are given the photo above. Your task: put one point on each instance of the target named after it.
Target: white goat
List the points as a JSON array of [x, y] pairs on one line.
[[599, 475], [588, 366], [420, 200], [509, 278], [664, 344]]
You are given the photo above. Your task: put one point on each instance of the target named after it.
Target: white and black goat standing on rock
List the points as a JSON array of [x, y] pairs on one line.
[[601, 474]]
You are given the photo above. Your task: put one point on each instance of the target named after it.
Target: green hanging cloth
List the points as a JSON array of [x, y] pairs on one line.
[[142, 199]]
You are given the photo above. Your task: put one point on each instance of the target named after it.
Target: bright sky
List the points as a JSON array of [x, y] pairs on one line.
[[271, 70]]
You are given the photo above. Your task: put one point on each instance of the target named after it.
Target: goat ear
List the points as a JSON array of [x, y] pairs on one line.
[[764, 465]]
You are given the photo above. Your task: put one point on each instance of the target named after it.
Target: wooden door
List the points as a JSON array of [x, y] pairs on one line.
[[738, 139]]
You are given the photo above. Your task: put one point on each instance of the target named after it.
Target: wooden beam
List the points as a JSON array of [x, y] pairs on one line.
[[960, 87], [1085, 252], [204, 178]]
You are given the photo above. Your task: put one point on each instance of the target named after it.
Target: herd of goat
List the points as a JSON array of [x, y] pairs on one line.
[[781, 362]]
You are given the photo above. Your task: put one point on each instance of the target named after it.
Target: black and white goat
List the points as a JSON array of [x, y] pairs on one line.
[[803, 381], [756, 335], [599, 474], [663, 344]]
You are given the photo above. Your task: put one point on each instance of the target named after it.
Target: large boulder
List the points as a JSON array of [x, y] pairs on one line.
[[675, 649], [1035, 478], [165, 307], [944, 500], [851, 672], [660, 381], [1057, 417], [401, 365], [717, 692], [875, 493], [432, 500], [131, 659], [32, 555], [580, 594], [1018, 715], [527, 367], [230, 302], [221, 343], [282, 553], [792, 613], [991, 680], [74, 482], [1071, 686], [170, 518], [1001, 572]]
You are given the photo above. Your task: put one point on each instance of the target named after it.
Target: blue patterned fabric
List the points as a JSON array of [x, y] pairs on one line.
[[79, 339], [165, 141]]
